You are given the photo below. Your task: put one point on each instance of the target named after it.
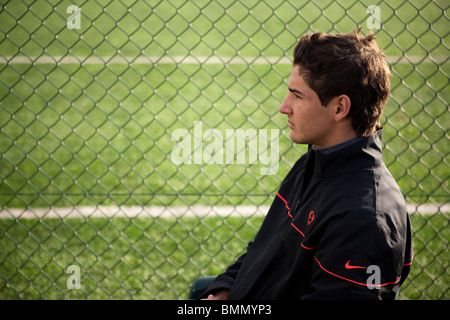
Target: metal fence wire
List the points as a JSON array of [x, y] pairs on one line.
[[119, 122]]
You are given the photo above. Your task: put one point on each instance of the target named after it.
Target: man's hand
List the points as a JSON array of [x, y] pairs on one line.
[[221, 295]]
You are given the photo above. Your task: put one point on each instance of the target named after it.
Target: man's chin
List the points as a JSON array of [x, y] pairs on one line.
[[296, 139]]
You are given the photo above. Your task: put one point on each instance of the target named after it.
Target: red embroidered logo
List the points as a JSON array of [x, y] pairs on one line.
[[348, 266], [310, 217]]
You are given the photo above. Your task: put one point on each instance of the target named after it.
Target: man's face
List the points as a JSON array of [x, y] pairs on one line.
[[310, 122]]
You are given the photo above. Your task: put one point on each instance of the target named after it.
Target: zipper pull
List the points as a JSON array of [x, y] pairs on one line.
[[296, 207]]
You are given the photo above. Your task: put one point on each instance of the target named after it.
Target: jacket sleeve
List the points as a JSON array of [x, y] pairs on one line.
[[359, 257], [225, 280]]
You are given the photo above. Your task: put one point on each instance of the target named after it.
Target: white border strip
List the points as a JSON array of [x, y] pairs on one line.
[[188, 60], [171, 212]]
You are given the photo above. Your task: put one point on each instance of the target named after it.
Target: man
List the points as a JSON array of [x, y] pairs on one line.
[[338, 226]]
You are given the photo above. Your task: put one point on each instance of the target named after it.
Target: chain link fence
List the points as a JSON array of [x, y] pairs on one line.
[[113, 118]]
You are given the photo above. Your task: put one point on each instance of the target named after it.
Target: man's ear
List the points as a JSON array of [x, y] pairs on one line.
[[342, 107]]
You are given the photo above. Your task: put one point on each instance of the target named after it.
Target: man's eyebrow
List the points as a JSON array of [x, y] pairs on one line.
[[295, 91]]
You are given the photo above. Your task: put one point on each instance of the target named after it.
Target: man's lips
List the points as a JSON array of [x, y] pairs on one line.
[[291, 125]]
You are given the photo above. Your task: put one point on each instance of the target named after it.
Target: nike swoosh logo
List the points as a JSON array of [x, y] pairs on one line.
[[348, 266]]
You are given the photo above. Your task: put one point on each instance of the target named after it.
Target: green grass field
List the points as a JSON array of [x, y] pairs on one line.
[[84, 133], [147, 258], [110, 146], [103, 130]]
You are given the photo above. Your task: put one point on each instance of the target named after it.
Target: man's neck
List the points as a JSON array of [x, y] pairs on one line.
[[338, 146], [337, 137]]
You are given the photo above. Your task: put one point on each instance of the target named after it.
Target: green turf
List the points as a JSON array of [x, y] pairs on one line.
[[146, 258], [99, 134], [76, 134], [205, 28], [64, 135]]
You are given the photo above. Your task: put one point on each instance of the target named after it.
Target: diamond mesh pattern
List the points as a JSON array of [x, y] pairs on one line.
[[90, 100]]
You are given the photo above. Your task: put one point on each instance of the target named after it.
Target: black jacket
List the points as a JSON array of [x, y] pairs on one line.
[[337, 229]]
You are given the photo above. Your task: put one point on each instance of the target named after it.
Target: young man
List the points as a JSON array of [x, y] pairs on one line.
[[338, 226]]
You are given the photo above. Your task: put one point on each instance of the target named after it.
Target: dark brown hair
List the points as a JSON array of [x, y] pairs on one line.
[[350, 64]]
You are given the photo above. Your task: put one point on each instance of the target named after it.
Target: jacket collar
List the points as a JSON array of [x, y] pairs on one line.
[[352, 155]]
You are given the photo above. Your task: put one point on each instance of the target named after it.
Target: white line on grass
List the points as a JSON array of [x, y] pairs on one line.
[[44, 59], [171, 212], [188, 211], [136, 211]]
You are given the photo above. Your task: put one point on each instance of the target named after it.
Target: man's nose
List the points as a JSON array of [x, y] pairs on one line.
[[284, 107]]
